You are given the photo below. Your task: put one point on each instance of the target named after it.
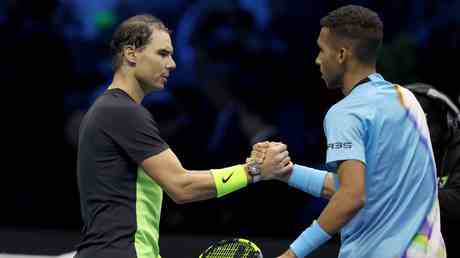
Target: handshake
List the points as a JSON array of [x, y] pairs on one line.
[[269, 160]]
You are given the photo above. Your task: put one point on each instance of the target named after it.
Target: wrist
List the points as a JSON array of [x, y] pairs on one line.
[[313, 237], [253, 170], [290, 254], [248, 174], [307, 179], [229, 179]]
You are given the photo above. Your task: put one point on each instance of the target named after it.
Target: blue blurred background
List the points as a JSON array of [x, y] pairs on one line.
[[245, 73]]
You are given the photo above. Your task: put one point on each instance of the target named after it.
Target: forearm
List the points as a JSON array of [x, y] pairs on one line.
[[197, 186], [342, 207], [337, 213], [187, 186]]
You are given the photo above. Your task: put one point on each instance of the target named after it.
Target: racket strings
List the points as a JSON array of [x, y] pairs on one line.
[[232, 249]]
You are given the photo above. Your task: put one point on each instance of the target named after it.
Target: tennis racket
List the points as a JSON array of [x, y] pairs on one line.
[[232, 248]]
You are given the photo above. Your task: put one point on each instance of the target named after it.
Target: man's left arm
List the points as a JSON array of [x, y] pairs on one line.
[[342, 207]]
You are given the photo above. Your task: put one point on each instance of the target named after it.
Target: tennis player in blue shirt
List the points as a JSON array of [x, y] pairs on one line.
[[382, 181]]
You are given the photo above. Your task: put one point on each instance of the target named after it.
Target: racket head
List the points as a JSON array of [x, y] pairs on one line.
[[233, 248]]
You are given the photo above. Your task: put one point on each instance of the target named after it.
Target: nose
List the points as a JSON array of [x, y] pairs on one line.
[[171, 64], [317, 61]]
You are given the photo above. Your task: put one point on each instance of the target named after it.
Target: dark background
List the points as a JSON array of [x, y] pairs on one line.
[[245, 72]]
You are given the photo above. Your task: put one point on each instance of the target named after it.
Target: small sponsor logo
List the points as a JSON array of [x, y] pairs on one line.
[[224, 180], [339, 145]]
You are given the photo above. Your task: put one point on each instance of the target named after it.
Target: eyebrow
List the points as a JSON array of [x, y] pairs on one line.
[[167, 51]]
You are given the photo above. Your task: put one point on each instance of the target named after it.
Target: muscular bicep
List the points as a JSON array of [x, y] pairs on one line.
[[352, 178]]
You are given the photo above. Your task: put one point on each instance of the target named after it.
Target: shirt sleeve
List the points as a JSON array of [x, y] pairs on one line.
[[345, 134], [135, 131]]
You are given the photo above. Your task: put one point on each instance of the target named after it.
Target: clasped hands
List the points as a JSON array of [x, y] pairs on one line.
[[273, 159]]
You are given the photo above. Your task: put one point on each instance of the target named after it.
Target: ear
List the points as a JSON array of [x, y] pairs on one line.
[[129, 53], [343, 53]]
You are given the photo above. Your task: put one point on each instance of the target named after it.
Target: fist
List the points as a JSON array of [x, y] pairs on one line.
[[273, 159]]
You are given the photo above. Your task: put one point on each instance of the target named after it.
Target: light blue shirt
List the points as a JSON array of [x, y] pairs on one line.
[[384, 127]]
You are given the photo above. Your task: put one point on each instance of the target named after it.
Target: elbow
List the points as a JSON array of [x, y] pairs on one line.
[[179, 200], [358, 201], [354, 196], [180, 197], [355, 199], [179, 190]]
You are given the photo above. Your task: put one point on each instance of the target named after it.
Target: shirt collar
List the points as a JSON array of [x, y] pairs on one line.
[[372, 77], [375, 77]]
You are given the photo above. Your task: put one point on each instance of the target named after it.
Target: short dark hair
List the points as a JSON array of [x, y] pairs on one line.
[[360, 25], [134, 31]]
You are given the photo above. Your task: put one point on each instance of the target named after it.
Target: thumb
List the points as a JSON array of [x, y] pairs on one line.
[[287, 168]]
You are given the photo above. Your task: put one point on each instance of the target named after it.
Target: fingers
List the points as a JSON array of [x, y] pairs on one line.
[[274, 146], [279, 147], [286, 161], [283, 155], [275, 152], [278, 158], [257, 156], [261, 146], [258, 151], [287, 168]]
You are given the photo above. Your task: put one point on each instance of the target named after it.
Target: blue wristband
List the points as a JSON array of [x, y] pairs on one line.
[[307, 179], [309, 240]]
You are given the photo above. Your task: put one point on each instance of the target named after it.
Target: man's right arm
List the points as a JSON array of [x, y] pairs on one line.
[[185, 186], [145, 146], [181, 185]]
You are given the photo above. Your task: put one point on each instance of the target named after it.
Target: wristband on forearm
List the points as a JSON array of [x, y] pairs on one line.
[[229, 179], [307, 179], [313, 237]]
